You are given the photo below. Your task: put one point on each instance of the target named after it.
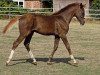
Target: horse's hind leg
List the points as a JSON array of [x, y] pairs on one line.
[[56, 42], [65, 41], [15, 44], [27, 43]]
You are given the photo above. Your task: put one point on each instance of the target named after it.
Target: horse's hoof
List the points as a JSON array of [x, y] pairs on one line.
[[49, 63], [75, 64], [35, 63]]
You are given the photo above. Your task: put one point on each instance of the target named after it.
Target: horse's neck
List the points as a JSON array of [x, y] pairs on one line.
[[68, 15]]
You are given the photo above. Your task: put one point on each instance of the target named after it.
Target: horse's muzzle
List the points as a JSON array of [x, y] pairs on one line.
[[82, 23]]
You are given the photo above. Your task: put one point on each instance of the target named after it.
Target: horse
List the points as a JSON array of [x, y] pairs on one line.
[[56, 24]]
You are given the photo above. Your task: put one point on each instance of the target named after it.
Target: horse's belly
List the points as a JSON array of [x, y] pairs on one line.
[[46, 31]]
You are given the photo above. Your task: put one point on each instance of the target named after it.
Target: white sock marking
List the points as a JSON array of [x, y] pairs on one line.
[[31, 54], [72, 57], [11, 55]]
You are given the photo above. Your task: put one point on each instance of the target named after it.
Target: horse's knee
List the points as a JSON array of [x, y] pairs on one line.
[[26, 43], [27, 46]]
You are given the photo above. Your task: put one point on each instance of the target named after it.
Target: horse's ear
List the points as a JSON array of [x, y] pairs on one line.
[[82, 5]]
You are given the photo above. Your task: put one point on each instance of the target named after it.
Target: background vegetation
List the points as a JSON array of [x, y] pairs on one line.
[[11, 8], [19, 10], [95, 6]]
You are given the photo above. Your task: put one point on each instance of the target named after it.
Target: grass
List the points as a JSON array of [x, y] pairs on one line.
[[85, 45]]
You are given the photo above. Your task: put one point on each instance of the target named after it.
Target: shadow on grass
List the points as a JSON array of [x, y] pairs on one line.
[[55, 60]]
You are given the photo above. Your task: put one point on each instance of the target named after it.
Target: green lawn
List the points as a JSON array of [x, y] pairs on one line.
[[85, 45]]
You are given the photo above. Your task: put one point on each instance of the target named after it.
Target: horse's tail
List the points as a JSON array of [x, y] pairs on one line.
[[12, 21]]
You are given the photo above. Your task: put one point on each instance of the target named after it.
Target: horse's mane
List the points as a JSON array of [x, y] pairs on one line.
[[65, 8]]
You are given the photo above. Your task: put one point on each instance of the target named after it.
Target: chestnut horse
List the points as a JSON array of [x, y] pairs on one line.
[[56, 24]]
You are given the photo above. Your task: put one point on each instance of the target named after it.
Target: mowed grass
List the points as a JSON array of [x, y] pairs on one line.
[[84, 42]]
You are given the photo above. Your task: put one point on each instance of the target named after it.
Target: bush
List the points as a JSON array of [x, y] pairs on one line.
[[95, 6], [11, 9], [3, 9]]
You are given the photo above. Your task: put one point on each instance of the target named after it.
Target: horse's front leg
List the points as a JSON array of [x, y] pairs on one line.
[[66, 43], [56, 42]]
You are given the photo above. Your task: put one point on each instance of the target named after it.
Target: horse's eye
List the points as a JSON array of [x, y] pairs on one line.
[[82, 16]]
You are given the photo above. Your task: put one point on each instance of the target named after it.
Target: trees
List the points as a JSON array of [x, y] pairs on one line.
[[96, 4], [96, 9], [5, 7], [7, 3]]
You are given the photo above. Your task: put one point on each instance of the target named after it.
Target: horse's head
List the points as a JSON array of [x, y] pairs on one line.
[[80, 13]]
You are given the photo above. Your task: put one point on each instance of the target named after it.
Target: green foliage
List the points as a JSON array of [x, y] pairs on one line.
[[10, 8], [95, 6], [4, 3]]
